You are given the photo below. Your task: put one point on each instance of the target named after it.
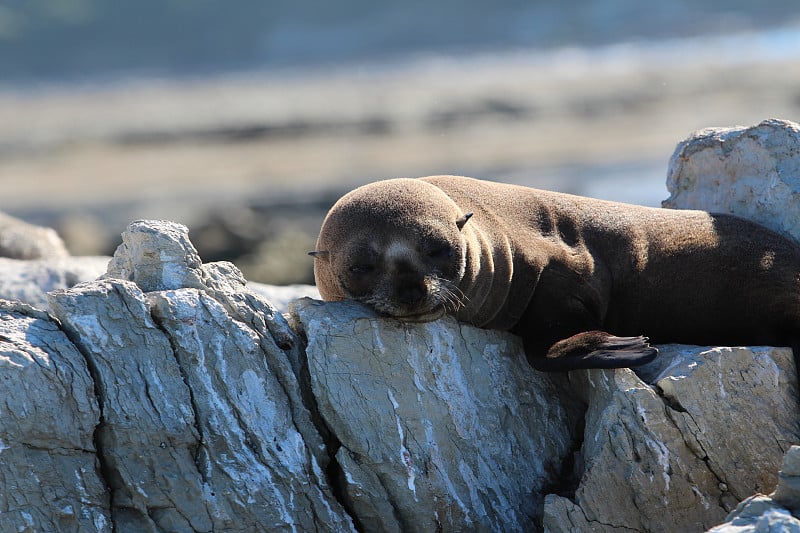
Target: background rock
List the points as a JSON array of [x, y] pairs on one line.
[[29, 280], [282, 295], [20, 240], [753, 172], [787, 493]]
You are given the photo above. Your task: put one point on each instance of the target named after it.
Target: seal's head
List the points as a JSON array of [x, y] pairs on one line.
[[395, 245]]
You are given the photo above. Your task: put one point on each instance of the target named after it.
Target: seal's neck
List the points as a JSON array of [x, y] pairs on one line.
[[487, 277]]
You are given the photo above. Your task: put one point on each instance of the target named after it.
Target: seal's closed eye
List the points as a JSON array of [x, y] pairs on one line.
[[441, 252], [361, 269]]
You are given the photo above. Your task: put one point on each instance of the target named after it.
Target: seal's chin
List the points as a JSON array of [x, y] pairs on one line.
[[426, 316]]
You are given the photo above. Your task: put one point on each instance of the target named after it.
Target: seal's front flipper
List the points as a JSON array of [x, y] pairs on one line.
[[595, 349]]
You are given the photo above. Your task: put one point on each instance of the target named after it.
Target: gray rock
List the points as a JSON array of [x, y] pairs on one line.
[[759, 385], [20, 240], [759, 514], [202, 424], [787, 493], [773, 513], [282, 295], [673, 457], [440, 426], [50, 477], [753, 172], [145, 405], [29, 280], [157, 255]]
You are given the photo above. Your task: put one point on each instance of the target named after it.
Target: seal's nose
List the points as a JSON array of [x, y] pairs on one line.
[[411, 293], [410, 287]]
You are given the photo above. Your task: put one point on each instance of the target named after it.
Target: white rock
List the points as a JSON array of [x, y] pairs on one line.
[[49, 474], [20, 240], [203, 425], [753, 172], [441, 426], [680, 455], [29, 280]]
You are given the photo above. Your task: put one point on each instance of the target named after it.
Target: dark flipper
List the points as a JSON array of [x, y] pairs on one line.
[[595, 349]]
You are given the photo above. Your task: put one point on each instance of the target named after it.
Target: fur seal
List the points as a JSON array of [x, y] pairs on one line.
[[579, 279]]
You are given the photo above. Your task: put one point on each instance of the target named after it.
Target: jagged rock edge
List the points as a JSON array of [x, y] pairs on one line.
[[197, 426], [334, 472], [569, 470], [104, 471], [331, 471], [269, 346], [670, 409]]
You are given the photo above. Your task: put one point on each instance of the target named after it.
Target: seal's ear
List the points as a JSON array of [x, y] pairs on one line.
[[463, 219], [320, 254]]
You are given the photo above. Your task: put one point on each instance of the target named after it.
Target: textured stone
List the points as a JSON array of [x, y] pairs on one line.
[[759, 514], [773, 513], [20, 240], [787, 493], [440, 426], [681, 453], [50, 477], [717, 396], [29, 280], [157, 255], [202, 423], [753, 172]]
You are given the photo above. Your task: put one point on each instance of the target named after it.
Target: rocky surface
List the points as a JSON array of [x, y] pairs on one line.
[[664, 452], [29, 279], [170, 396], [462, 433], [49, 469], [194, 406], [201, 425], [773, 513], [20, 240], [753, 172]]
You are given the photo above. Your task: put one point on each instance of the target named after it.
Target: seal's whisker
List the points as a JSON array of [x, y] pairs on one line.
[[451, 296]]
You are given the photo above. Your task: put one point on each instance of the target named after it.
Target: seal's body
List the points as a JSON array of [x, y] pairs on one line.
[[557, 268]]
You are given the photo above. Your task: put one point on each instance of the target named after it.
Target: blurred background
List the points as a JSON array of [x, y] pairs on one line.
[[246, 120]]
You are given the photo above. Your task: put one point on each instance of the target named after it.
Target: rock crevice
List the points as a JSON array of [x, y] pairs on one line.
[[201, 421], [169, 396], [198, 420]]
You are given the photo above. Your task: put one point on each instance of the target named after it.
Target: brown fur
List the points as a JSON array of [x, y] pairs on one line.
[[549, 266]]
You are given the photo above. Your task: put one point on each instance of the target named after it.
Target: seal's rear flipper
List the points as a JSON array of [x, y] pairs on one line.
[[595, 349]]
